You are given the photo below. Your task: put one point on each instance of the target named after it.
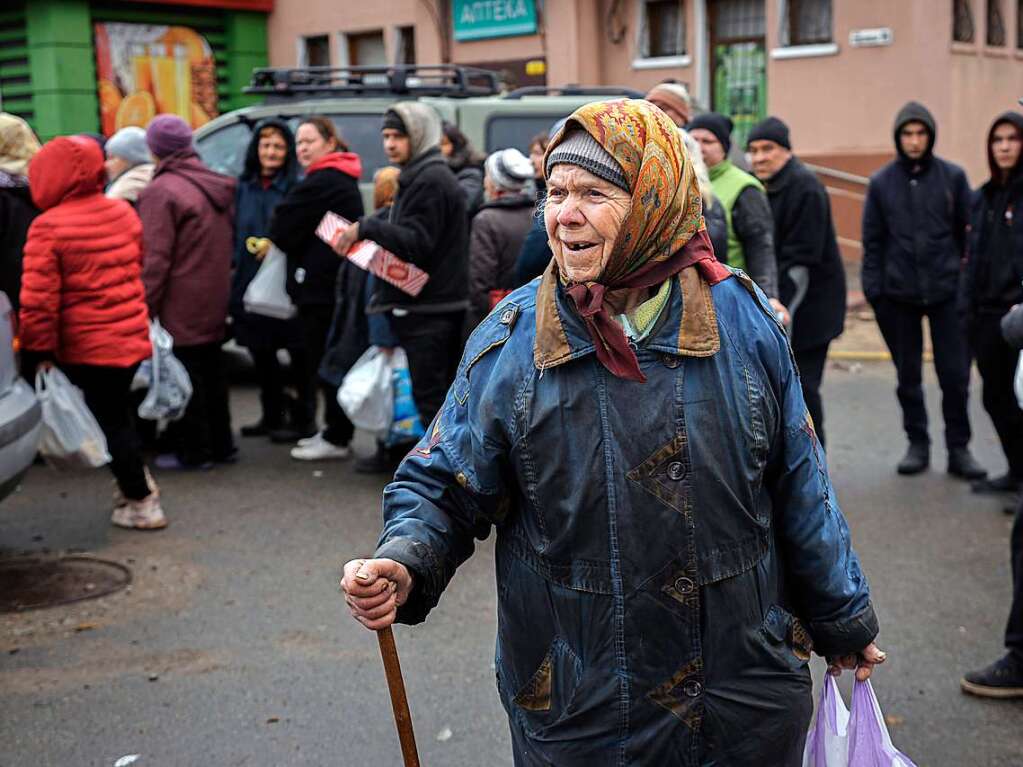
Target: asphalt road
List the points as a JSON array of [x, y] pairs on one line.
[[231, 646]]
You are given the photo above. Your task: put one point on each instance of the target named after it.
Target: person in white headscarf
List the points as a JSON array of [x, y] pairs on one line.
[[18, 145]]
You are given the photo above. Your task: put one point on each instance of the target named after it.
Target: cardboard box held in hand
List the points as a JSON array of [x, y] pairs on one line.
[[368, 255]]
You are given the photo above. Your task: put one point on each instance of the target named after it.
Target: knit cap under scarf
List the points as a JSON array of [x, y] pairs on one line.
[[663, 231]]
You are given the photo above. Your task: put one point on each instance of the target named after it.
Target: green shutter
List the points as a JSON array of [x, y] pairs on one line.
[[15, 74]]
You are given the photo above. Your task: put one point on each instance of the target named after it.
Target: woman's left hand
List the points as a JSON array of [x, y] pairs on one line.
[[864, 662], [348, 238]]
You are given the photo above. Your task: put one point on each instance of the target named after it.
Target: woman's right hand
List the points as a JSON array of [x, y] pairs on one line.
[[374, 589]]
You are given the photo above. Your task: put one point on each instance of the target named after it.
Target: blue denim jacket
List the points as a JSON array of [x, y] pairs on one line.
[[667, 552]]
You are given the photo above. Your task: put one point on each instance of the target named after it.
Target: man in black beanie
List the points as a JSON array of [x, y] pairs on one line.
[[811, 279], [750, 226]]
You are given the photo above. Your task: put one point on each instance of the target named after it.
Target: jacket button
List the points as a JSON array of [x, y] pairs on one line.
[[676, 471], [671, 361], [507, 317], [684, 585], [692, 688], [462, 479]]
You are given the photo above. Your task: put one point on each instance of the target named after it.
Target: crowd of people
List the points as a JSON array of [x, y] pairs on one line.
[[99, 237]]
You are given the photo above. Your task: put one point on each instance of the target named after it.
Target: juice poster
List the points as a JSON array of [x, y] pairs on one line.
[[146, 70]]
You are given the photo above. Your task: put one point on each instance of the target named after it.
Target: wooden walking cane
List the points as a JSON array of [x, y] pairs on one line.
[[399, 703]]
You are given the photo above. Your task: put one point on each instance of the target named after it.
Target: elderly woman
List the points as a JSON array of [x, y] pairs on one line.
[[669, 549], [129, 164], [18, 145]]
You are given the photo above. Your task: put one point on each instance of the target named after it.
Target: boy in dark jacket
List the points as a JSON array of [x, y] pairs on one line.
[[427, 227], [993, 284], [811, 280], [914, 237], [187, 214]]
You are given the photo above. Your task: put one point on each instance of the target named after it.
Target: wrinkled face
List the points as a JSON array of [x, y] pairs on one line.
[[914, 138], [310, 146], [1006, 144], [446, 147], [713, 151], [767, 158], [273, 151], [536, 157], [679, 118], [115, 166], [583, 215]]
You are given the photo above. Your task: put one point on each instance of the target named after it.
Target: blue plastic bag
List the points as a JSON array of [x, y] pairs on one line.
[[840, 738], [406, 425]]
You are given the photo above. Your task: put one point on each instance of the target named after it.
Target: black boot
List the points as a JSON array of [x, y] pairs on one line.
[[961, 463], [298, 423], [1002, 679], [1003, 484], [916, 460]]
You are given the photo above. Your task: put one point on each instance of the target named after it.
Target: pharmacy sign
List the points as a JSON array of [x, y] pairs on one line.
[[484, 19]]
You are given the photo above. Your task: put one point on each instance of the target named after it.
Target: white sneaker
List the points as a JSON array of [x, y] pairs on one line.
[[146, 514], [319, 449], [307, 441]]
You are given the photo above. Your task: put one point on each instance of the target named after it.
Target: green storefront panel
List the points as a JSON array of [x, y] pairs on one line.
[[48, 60]]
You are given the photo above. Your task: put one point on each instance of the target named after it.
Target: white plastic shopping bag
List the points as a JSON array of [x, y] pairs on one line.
[[1018, 383], [71, 437], [170, 388], [267, 293], [840, 738], [366, 394]]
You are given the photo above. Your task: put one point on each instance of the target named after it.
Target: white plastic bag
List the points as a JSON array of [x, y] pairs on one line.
[[71, 437], [170, 388], [267, 294], [1018, 383], [366, 394]]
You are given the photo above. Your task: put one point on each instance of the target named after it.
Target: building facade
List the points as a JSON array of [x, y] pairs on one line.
[[72, 66], [835, 70]]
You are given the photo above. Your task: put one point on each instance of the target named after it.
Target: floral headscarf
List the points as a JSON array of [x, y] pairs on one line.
[[662, 233], [18, 145]]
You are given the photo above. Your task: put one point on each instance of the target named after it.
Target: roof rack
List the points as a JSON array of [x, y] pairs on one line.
[[574, 90], [399, 80]]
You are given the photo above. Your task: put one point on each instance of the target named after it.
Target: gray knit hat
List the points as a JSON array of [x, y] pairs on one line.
[[129, 144], [580, 148]]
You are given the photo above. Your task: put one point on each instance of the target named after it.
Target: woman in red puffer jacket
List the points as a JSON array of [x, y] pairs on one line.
[[83, 305]]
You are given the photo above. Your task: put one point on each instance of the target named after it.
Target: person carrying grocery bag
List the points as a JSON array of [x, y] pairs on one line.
[[83, 307]]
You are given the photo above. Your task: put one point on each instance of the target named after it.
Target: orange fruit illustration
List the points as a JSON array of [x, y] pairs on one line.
[[109, 102], [199, 116], [196, 47], [136, 109]]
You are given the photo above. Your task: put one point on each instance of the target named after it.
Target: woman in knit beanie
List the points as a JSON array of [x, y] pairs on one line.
[[129, 164]]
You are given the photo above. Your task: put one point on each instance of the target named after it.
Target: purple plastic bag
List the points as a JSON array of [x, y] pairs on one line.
[[870, 745], [839, 738]]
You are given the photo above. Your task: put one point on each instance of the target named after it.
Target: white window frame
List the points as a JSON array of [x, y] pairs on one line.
[[642, 61], [302, 49], [787, 51]]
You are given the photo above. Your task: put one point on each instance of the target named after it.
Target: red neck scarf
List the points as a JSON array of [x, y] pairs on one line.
[[591, 301]]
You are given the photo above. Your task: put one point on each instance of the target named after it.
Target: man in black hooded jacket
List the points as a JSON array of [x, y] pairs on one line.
[[427, 226], [914, 235], [993, 284]]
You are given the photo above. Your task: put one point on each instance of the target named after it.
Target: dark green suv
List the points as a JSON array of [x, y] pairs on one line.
[[355, 98]]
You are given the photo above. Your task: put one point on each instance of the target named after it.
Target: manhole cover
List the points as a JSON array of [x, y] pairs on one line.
[[28, 583]]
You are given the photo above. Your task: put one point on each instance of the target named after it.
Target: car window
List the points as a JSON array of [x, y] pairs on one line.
[[224, 150], [362, 134], [504, 131]]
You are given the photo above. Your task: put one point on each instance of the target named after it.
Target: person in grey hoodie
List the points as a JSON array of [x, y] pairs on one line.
[[129, 164], [915, 220]]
